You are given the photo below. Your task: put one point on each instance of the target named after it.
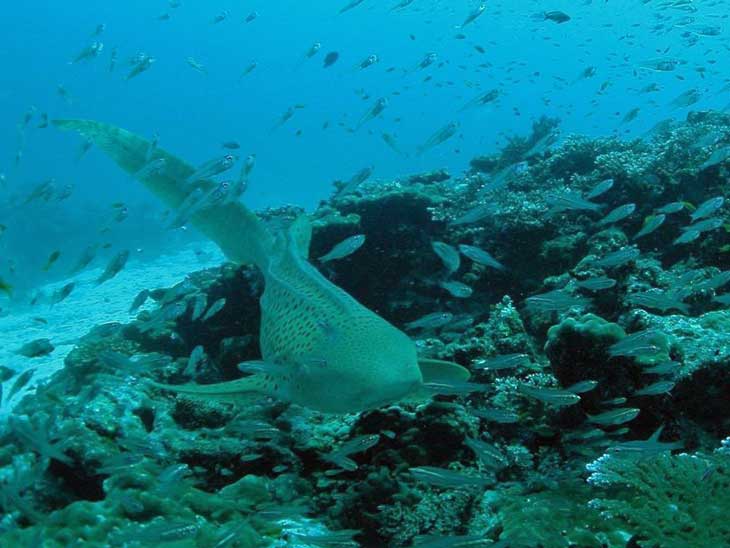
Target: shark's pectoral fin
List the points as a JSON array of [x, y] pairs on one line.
[[440, 370], [239, 391]]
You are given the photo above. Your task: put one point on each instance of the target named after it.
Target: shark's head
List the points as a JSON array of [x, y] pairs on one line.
[[368, 363]]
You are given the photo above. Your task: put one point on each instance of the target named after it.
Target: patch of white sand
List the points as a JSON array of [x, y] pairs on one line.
[[88, 305]]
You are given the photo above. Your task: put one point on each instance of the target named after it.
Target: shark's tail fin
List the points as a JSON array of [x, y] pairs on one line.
[[236, 230]]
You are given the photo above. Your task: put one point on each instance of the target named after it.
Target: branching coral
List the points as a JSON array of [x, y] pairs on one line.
[[672, 501]]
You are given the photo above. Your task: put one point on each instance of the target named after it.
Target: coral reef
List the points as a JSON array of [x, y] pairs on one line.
[[582, 342]]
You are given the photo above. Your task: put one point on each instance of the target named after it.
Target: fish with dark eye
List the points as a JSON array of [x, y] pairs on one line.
[[554, 16], [36, 348], [52, 258], [488, 454], [474, 15], [375, 111], [249, 69], [211, 168], [392, 143], [427, 61], [87, 255], [656, 299], [483, 99], [369, 61], [344, 249], [431, 321], [355, 181], [651, 223], [340, 456], [251, 17], [618, 214], [599, 283], [448, 255], [707, 208], [656, 389], [648, 342], [222, 16], [502, 362], [446, 478], [440, 137], [687, 237], [351, 5], [686, 99], [554, 301], [570, 201], [196, 65], [113, 267], [89, 52], [402, 4], [62, 293], [330, 59], [618, 258], [457, 289], [614, 417], [141, 63], [550, 396], [313, 50], [480, 256]]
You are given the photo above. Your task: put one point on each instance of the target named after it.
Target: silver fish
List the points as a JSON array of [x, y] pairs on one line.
[[642, 343], [345, 248], [216, 307], [115, 265], [688, 236], [582, 387], [551, 396], [615, 416], [650, 225], [500, 416], [448, 255], [707, 208], [480, 256], [596, 284], [487, 453], [656, 389], [440, 137], [618, 214], [658, 300], [504, 361], [671, 208], [445, 478], [645, 448], [601, 188], [618, 258], [570, 201], [431, 321], [360, 444], [457, 289], [554, 301]]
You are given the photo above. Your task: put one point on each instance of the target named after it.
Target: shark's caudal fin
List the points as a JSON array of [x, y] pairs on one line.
[[238, 232]]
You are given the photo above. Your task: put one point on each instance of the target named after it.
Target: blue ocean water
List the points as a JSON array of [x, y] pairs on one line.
[[537, 66]]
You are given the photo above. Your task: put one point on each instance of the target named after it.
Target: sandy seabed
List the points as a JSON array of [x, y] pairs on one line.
[[88, 305]]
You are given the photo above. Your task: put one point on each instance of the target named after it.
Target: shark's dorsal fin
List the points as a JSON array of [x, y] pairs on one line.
[[439, 370], [655, 436]]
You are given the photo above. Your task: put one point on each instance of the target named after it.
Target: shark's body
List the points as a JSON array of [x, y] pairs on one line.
[[330, 352]]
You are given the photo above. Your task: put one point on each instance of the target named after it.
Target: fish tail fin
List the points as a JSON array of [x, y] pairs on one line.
[[240, 234], [238, 391]]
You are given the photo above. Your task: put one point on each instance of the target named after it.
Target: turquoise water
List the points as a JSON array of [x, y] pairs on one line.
[[578, 141]]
